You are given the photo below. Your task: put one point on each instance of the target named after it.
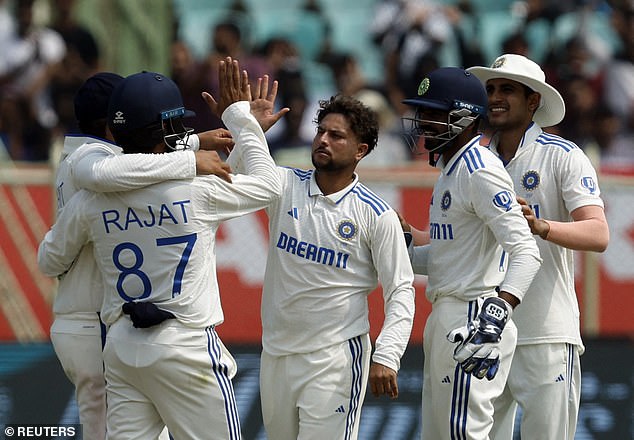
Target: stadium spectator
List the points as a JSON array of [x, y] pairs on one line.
[[410, 34], [286, 67], [28, 62], [190, 76], [391, 149], [82, 60]]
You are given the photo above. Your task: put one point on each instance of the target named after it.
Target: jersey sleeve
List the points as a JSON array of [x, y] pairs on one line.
[[419, 257], [96, 167], [235, 161], [251, 144], [579, 182], [391, 260], [493, 199], [261, 185], [63, 242], [193, 142]]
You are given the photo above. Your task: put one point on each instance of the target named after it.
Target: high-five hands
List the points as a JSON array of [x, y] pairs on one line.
[[263, 104], [477, 350], [233, 84]]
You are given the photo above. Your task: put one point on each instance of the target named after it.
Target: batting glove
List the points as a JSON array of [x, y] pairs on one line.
[[477, 351]]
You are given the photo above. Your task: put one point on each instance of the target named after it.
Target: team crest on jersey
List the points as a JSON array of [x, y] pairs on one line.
[[445, 202], [531, 180], [589, 184], [347, 229], [504, 200]]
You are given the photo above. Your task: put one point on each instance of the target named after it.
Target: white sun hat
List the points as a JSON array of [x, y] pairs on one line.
[[519, 68]]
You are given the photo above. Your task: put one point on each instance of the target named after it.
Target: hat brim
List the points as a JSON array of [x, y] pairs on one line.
[[552, 107]]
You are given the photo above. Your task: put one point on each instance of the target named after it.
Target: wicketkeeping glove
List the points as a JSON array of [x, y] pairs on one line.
[[477, 350]]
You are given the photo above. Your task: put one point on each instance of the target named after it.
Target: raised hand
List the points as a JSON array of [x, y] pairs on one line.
[[477, 350], [263, 104], [233, 84]]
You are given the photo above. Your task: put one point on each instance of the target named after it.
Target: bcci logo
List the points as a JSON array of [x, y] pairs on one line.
[[588, 183], [423, 87], [445, 202], [503, 200], [498, 63], [347, 230], [530, 180]]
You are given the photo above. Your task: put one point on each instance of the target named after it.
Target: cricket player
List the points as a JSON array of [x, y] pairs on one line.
[[164, 362], [331, 240], [560, 196], [90, 160], [480, 261]]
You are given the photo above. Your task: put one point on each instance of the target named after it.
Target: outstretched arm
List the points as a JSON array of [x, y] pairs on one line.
[[262, 184], [587, 232], [420, 237]]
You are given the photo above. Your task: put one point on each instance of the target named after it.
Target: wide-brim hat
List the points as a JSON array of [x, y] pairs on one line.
[[518, 68]]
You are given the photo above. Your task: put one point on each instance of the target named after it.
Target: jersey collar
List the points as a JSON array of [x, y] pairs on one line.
[[455, 159], [313, 189], [530, 135], [74, 141]]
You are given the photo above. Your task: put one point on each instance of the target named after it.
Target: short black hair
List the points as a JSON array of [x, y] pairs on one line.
[[95, 127], [142, 140], [362, 119]]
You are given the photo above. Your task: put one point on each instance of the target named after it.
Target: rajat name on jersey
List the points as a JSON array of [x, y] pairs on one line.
[[145, 218], [312, 252]]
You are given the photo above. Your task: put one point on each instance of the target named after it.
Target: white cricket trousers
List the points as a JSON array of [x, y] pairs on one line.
[[545, 380], [317, 395], [77, 340], [170, 375], [458, 406]]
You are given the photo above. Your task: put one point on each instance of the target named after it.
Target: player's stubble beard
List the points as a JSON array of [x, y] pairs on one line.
[[328, 164]]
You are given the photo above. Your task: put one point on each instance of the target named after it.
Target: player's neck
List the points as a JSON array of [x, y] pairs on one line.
[[330, 182], [508, 142]]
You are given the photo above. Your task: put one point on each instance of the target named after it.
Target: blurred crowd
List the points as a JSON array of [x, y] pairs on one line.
[[42, 66]]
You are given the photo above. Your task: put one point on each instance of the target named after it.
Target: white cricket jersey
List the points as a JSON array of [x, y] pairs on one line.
[[94, 163], [555, 177], [326, 255], [476, 229], [157, 244]]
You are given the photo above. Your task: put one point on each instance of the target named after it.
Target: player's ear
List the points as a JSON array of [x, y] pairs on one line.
[[362, 150], [533, 101]]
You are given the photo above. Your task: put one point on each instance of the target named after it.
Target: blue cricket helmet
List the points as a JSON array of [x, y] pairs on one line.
[[145, 99], [92, 98], [449, 89]]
